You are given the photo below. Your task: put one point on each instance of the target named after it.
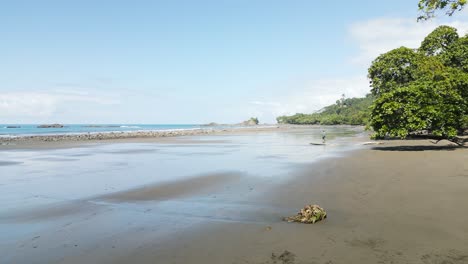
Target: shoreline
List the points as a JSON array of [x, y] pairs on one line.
[[81, 139]]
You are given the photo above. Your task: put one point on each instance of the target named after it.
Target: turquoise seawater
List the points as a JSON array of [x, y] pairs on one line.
[[32, 129]]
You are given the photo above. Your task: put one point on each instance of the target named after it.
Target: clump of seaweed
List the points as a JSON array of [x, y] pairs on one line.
[[308, 215]]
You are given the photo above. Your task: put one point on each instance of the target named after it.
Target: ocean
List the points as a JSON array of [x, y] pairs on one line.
[[33, 129]]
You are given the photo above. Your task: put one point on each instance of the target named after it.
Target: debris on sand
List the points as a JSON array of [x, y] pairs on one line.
[[308, 215], [285, 258]]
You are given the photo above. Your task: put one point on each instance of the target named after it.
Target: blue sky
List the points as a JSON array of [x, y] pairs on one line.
[[192, 61]]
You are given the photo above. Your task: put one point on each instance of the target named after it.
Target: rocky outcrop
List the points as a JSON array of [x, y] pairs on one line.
[[13, 127], [51, 126], [212, 124], [253, 121]]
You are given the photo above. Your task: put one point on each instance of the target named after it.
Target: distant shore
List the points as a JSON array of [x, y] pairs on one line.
[[73, 139], [100, 136]]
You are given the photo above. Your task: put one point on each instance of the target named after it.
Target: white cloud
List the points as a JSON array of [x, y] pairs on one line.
[[372, 37], [377, 36], [262, 103], [310, 96], [44, 104]]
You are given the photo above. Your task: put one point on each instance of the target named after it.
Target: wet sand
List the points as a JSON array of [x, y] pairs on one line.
[[96, 203], [400, 202], [173, 190], [403, 202]]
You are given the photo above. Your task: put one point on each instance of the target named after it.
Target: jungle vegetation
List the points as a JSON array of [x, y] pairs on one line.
[[346, 111]]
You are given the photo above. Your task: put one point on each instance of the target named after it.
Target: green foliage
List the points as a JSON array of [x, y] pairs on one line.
[[422, 91], [254, 120], [347, 111], [439, 40], [457, 54], [394, 68], [429, 7]]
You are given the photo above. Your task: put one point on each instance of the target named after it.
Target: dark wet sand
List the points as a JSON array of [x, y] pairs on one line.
[[159, 192], [400, 202], [172, 190], [403, 202]]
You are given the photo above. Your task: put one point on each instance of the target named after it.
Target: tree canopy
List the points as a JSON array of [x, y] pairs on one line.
[[429, 7], [439, 41], [423, 90], [346, 111]]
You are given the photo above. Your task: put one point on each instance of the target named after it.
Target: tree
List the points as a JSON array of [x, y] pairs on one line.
[[422, 91], [439, 40], [429, 7], [457, 55], [396, 68], [434, 107], [254, 120]]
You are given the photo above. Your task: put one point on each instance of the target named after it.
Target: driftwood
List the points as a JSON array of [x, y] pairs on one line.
[[308, 215]]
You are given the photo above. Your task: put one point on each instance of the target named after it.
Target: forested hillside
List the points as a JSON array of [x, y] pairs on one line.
[[346, 111]]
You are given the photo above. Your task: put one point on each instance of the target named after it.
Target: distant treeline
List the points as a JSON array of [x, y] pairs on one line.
[[346, 111]]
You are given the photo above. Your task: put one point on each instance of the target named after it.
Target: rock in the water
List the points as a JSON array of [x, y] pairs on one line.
[[51, 126], [211, 124], [308, 215], [253, 121], [13, 127]]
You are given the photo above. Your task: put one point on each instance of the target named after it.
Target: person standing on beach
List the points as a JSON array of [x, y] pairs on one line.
[[324, 136]]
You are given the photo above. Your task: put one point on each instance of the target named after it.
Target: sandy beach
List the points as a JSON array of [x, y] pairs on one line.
[[398, 202]]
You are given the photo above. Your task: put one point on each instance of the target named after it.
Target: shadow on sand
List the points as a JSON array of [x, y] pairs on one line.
[[418, 148]]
